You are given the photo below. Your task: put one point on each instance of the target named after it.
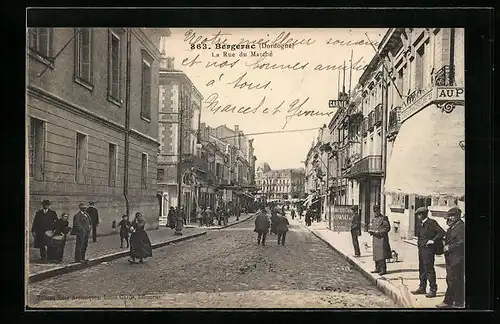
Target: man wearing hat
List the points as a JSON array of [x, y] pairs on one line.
[[429, 242], [82, 225], [356, 230], [44, 220], [454, 259], [94, 217], [379, 230]]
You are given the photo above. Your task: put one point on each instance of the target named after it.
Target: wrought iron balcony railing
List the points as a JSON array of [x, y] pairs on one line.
[[368, 166], [414, 96], [364, 126], [445, 76], [394, 122]]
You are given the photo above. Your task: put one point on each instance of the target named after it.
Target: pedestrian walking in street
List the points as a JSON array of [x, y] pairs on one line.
[[308, 217], [379, 230], [210, 216], [429, 243], [293, 213], [171, 217], [55, 251], [140, 245], [82, 225], [238, 213], [200, 217], [356, 230], [183, 215], [44, 220], [124, 230], [262, 224], [282, 229], [454, 244], [274, 221], [94, 217]]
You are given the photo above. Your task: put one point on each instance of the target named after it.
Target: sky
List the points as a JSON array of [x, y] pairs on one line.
[[294, 84]]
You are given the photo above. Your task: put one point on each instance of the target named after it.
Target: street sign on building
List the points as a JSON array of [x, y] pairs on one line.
[[337, 103]]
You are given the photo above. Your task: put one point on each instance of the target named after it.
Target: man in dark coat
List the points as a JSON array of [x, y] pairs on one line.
[[430, 236], [44, 220], [356, 230], [94, 217], [454, 259], [262, 224], [380, 228], [81, 228]]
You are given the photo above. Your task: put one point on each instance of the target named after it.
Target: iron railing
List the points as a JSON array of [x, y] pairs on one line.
[[364, 126], [394, 122], [445, 76], [369, 165], [371, 120], [378, 115]]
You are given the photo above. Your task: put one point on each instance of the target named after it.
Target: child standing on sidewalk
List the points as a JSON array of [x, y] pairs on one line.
[[124, 227]]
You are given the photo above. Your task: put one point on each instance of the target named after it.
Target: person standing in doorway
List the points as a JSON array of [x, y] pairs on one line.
[[454, 243], [44, 220], [82, 226], [430, 236], [262, 224], [380, 228], [356, 230], [94, 217]]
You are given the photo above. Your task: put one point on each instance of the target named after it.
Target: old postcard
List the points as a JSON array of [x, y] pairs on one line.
[[245, 168]]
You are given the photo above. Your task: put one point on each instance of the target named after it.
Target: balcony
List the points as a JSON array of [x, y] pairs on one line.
[[445, 76], [371, 120], [364, 126], [394, 123], [414, 96], [369, 166], [378, 115], [196, 162]]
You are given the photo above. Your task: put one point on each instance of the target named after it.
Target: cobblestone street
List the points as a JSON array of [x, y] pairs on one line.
[[225, 268]]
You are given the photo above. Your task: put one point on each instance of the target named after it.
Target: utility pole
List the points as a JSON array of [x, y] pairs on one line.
[[178, 224], [127, 125], [328, 190], [383, 150]]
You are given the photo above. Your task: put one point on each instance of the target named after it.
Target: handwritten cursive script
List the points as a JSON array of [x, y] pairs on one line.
[[240, 83]]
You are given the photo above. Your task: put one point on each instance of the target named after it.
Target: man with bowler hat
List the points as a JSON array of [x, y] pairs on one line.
[[44, 220], [356, 230], [454, 259], [81, 228], [379, 230], [429, 243], [94, 217]]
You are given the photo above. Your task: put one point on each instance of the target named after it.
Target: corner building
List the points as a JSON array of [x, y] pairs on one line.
[[89, 124]]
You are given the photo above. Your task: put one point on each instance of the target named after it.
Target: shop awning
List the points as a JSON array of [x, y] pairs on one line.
[[426, 158]]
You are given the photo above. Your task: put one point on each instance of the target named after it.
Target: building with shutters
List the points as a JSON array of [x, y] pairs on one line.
[[92, 120]]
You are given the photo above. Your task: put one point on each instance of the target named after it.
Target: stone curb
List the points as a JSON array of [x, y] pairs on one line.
[[387, 288], [42, 275]]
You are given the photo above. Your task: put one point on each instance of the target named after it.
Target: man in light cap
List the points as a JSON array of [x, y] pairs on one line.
[[429, 243], [454, 258], [379, 230]]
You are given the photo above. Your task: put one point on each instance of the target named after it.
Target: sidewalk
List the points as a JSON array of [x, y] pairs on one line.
[[105, 249], [231, 222], [401, 278]]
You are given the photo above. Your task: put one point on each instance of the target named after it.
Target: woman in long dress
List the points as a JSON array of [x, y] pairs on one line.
[[140, 245]]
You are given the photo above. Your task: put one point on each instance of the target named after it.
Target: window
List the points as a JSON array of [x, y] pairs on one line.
[[144, 171], [114, 67], [36, 144], [146, 89], [160, 175], [40, 41], [81, 157], [419, 68], [83, 55], [112, 160]]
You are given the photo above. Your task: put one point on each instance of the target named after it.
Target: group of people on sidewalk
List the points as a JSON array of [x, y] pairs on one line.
[[205, 216], [276, 224], [50, 233], [432, 240]]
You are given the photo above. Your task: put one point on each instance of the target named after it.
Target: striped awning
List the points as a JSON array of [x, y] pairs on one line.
[[426, 158]]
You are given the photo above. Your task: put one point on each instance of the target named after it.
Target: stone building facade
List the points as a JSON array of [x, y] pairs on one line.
[[280, 185], [81, 141]]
